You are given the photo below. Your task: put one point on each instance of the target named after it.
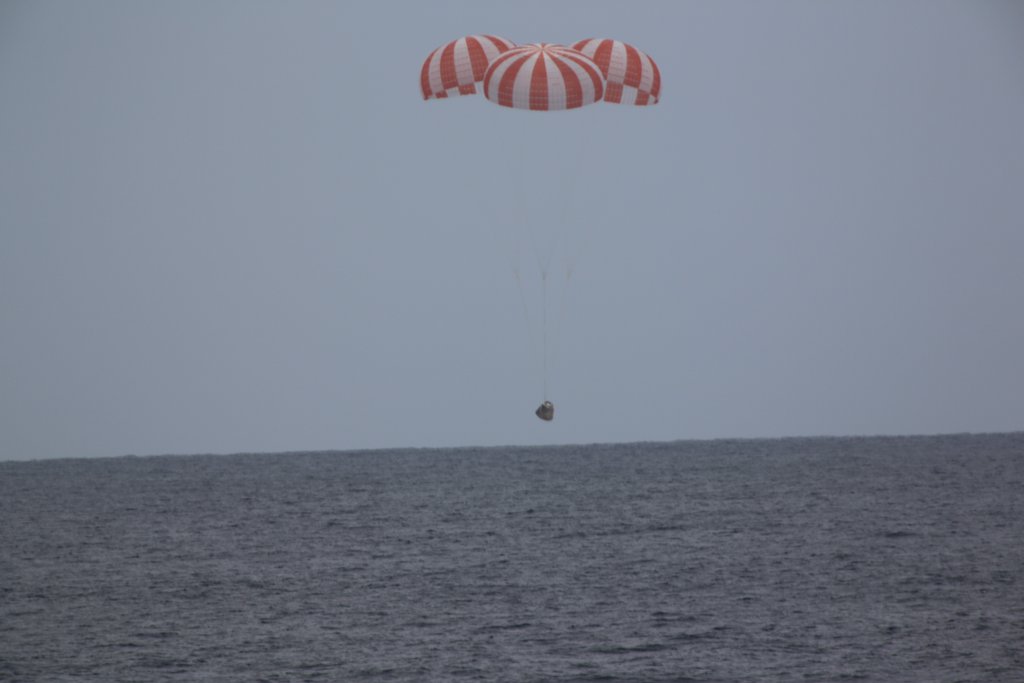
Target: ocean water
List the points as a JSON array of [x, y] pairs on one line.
[[817, 559]]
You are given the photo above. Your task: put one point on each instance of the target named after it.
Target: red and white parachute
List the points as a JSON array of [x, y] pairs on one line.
[[531, 211], [632, 76], [543, 77], [456, 67]]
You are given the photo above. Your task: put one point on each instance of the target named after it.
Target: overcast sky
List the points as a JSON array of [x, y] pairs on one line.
[[236, 226]]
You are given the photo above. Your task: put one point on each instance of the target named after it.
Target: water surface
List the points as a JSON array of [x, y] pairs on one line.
[[822, 559]]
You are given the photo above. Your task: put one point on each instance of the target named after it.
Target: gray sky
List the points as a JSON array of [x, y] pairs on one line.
[[236, 226]]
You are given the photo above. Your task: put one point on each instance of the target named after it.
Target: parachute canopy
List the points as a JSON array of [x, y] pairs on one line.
[[543, 77], [632, 76], [456, 67]]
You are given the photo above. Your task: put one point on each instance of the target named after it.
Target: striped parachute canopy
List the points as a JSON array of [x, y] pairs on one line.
[[632, 76], [543, 77], [456, 67]]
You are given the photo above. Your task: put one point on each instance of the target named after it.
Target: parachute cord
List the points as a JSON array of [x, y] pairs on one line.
[[544, 253], [522, 220], [544, 295], [564, 237]]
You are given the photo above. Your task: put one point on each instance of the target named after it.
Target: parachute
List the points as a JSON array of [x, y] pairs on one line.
[[456, 67], [542, 77], [632, 76]]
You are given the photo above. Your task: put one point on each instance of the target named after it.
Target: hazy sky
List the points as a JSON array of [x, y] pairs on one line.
[[236, 226]]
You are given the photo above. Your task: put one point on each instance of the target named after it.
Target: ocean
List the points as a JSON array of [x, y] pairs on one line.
[[808, 559]]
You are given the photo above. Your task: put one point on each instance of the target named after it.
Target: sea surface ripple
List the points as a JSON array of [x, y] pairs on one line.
[[819, 559]]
